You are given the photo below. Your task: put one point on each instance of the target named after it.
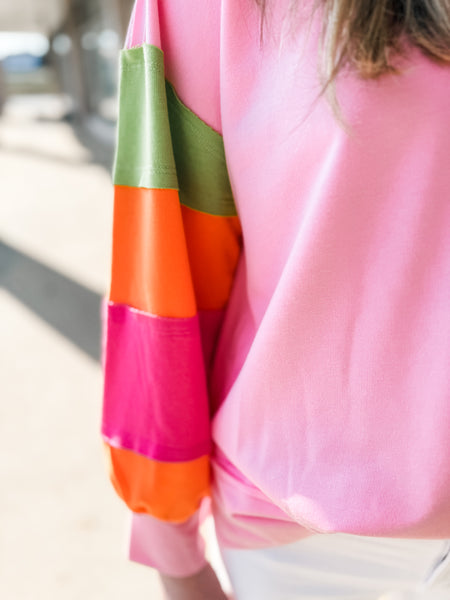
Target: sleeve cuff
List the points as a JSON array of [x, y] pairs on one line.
[[174, 549]]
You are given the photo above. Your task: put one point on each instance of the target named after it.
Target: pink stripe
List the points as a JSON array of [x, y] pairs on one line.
[[155, 397], [195, 75], [144, 25]]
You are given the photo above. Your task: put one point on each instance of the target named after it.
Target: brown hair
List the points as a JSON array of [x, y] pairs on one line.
[[366, 34]]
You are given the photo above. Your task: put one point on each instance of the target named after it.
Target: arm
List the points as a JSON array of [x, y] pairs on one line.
[[176, 243]]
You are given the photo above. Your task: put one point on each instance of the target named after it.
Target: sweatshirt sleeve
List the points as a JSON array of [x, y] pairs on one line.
[[176, 243]]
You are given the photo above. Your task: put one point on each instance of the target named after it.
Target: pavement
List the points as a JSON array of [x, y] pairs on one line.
[[62, 528]]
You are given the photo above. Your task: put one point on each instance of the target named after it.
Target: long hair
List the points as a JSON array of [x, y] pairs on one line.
[[367, 34]]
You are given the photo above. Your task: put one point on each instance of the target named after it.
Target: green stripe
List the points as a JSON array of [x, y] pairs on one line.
[[200, 159], [144, 156], [151, 117]]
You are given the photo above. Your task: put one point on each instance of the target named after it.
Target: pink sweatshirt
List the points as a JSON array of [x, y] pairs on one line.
[[311, 308]]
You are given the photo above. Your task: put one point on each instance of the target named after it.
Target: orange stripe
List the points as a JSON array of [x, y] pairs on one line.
[[214, 245], [150, 265], [168, 491]]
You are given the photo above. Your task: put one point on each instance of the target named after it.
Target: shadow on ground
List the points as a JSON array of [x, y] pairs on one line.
[[69, 307]]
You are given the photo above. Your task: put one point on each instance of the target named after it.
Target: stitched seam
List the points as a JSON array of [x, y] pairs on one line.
[[155, 169], [145, 66], [196, 127]]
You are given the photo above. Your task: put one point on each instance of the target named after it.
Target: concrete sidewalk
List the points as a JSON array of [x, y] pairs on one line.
[[62, 527]]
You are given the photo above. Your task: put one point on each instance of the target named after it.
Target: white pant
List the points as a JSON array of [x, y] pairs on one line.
[[342, 567]]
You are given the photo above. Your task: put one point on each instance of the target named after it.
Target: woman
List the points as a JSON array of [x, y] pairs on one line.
[[278, 313]]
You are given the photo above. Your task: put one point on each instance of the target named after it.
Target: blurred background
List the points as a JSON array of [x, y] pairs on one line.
[[62, 529]]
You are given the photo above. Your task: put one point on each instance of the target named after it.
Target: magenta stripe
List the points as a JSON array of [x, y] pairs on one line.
[[155, 396]]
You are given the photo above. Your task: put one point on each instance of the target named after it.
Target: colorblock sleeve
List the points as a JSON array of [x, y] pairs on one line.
[[176, 243]]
